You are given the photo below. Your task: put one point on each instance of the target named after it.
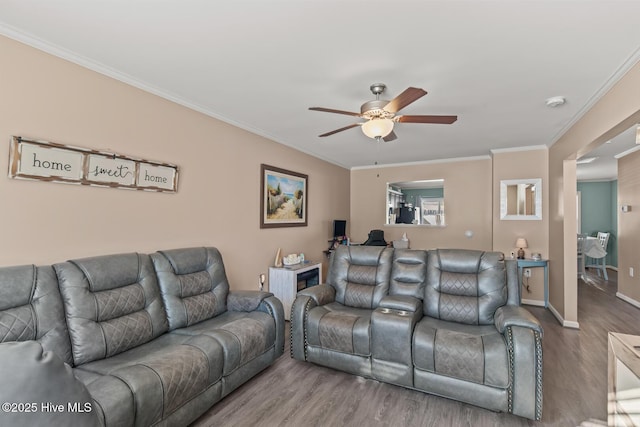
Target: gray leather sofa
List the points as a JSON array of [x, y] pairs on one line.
[[446, 322], [129, 339]]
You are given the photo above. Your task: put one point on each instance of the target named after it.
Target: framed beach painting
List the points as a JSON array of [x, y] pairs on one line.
[[283, 200]]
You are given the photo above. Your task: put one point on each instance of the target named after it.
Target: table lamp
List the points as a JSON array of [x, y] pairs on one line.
[[521, 243]]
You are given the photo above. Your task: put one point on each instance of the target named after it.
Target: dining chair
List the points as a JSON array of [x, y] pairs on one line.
[[581, 258], [600, 263]]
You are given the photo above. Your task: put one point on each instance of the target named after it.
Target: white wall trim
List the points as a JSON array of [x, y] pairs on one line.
[[565, 323], [423, 162], [625, 298], [604, 179], [626, 153], [633, 58], [92, 65], [515, 149], [538, 303]]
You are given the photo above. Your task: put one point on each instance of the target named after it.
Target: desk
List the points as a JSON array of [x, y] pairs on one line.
[[528, 263]]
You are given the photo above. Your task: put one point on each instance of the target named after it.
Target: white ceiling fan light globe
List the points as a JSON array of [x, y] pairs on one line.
[[377, 128]]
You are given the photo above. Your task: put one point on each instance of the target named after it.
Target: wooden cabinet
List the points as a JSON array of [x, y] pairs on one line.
[[285, 282], [624, 380]]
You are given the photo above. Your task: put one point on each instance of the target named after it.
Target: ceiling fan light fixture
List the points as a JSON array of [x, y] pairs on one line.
[[377, 128]]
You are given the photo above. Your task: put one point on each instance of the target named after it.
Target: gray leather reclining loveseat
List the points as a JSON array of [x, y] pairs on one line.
[[447, 322], [129, 339]]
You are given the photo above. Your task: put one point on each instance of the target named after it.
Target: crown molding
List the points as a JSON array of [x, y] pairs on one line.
[[516, 149], [423, 162], [626, 153]]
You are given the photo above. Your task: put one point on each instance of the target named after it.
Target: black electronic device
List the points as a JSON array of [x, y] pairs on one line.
[[405, 215], [339, 234]]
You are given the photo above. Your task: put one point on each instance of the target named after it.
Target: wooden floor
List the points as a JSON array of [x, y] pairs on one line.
[[293, 393]]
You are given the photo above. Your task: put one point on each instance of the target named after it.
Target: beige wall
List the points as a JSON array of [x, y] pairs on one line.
[[523, 165], [218, 200], [614, 112], [467, 194], [629, 226]]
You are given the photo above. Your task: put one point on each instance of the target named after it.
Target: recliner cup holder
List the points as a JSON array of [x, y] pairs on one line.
[[394, 311]]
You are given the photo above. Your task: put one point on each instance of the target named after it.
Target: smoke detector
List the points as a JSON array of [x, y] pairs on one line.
[[555, 101]]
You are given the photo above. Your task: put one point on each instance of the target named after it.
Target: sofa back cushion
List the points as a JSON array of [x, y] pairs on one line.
[[193, 283], [408, 273], [465, 286], [360, 275], [112, 304], [31, 309]]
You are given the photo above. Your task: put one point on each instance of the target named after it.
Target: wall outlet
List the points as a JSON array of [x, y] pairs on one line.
[[513, 254], [630, 271], [527, 272]]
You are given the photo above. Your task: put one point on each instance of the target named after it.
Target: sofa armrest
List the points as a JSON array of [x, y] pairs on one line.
[[513, 315], [321, 294], [246, 300], [401, 302], [306, 299], [33, 378], [523, 335]]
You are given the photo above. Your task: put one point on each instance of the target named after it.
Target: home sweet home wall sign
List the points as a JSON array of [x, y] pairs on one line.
[[48, 161]]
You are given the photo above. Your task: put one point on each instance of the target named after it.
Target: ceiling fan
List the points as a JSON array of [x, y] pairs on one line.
[[381, 115]]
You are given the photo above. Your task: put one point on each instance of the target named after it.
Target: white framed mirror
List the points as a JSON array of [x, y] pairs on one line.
[[521, 199]]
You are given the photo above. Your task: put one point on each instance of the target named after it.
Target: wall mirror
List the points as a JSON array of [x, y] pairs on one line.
[[521, 199], [416, 203]]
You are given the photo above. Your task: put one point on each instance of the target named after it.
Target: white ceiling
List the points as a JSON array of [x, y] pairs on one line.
[[260, 64]]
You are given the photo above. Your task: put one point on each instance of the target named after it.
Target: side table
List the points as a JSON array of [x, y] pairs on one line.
[[528, 263], [285, 282]]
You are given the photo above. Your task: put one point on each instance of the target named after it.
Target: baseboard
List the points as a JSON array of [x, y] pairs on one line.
[[535, 302], [596, 266], [625, 298], [565, 323]]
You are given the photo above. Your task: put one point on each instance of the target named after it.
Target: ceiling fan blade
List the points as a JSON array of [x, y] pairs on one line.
[[330, 110], [392, 136], [405, 98], [339, 130], [443, 120]]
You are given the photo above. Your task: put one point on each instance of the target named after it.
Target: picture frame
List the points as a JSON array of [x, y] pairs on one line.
[[284, 196], [38, 160]]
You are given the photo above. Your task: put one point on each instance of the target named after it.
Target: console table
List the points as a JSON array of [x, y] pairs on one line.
[[624, 379], [528, 263], [285, 282]]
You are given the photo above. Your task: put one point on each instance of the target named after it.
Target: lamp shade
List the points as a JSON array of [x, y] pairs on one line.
[[521, 242], [377, 128]]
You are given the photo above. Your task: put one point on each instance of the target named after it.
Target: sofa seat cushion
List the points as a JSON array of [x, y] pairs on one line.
[[158, 377], [243, 336], [476, 353], [113, 401], [339, 328]]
